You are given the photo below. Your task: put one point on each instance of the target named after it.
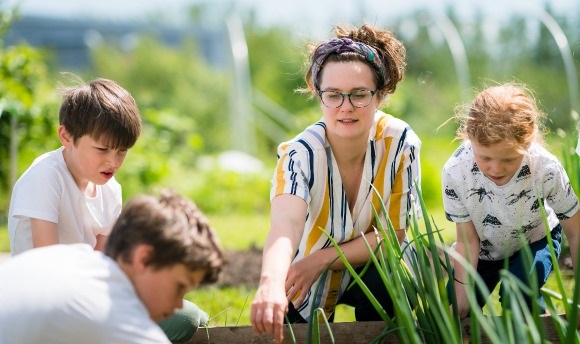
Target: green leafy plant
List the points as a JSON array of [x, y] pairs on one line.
[[425, 313]]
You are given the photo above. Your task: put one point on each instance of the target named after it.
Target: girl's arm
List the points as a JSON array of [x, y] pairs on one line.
[[468, 247], [288, 214], [571, 228]]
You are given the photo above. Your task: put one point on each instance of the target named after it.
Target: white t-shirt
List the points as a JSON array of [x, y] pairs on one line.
[[501, 213], [47, 191], [71, 294]]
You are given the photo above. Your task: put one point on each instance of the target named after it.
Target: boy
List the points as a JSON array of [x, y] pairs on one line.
[[158, 249], [70, 195]]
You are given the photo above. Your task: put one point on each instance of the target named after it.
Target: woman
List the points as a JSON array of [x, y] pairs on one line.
[[326, 179]]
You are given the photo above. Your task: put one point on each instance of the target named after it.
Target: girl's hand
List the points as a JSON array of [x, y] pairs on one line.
[[462, 301], [269, 307]]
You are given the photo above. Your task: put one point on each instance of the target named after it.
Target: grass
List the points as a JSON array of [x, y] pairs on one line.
[[4, 240], [231, 306], [239, 231], [225, 306]]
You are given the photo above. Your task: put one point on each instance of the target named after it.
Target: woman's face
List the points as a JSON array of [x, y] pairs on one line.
[[348, 122]]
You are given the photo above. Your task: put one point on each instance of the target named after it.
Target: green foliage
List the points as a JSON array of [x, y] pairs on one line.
[[180, 95], [230, 192], [214, 189], [571, 160], [276, 66], [184, 100], [23, 108], [421, 304]]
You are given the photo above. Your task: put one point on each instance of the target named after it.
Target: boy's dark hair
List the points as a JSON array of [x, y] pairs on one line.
[[100, 109], [176, 229]]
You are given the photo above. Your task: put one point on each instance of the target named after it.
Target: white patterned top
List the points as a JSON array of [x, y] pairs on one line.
[[501, 213]]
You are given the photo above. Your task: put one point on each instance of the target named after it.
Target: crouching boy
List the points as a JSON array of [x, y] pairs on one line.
[[158, 249]]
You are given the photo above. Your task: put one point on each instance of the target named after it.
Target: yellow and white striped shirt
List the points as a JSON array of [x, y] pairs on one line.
[[307, 168]]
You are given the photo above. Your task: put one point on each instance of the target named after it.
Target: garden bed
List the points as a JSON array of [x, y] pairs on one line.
[[343, 333]]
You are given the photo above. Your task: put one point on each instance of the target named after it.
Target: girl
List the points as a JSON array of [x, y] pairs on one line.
[[490, 188], [323, 180]]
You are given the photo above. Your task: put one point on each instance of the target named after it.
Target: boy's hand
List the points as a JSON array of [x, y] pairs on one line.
[[101, 240]]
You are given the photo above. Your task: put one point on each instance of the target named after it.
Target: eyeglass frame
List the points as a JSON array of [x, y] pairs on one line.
[[373, 92]]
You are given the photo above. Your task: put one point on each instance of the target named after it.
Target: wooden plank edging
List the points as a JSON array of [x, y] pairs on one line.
[[343, 333], [346, 332]]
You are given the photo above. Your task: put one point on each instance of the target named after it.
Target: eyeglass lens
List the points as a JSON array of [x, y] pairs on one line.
[[335, 99]]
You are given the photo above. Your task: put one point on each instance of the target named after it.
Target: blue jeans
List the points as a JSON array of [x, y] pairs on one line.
[[489, 271]]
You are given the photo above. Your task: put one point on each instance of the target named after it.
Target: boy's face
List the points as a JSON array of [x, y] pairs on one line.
[[162, 290], [91, 161]]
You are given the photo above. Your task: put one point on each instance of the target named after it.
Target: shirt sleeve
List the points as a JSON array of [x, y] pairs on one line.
[[455, 209], [37, 195], [558, 192], [404, 197], [293, 173]]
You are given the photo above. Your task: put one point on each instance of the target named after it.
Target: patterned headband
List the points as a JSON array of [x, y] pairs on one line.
[[343, 45]]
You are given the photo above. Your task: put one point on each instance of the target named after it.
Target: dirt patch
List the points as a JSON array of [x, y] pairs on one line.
[[242, 268]]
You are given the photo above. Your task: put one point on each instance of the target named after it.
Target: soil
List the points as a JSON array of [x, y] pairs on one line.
[[243, 268]]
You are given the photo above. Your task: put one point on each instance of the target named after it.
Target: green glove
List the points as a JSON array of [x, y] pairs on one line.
[[184, 323]]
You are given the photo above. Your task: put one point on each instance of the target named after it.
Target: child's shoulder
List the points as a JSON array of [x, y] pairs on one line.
[[311, 139], [389, 126], [47, 163], [541, 154], [542, 158], [462, 156]]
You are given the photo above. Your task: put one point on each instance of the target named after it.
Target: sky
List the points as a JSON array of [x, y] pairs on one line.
[[305, 16]]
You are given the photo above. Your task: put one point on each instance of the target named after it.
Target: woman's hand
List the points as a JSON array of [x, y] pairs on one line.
[[270, 304], [269, 307], [301, 276]]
